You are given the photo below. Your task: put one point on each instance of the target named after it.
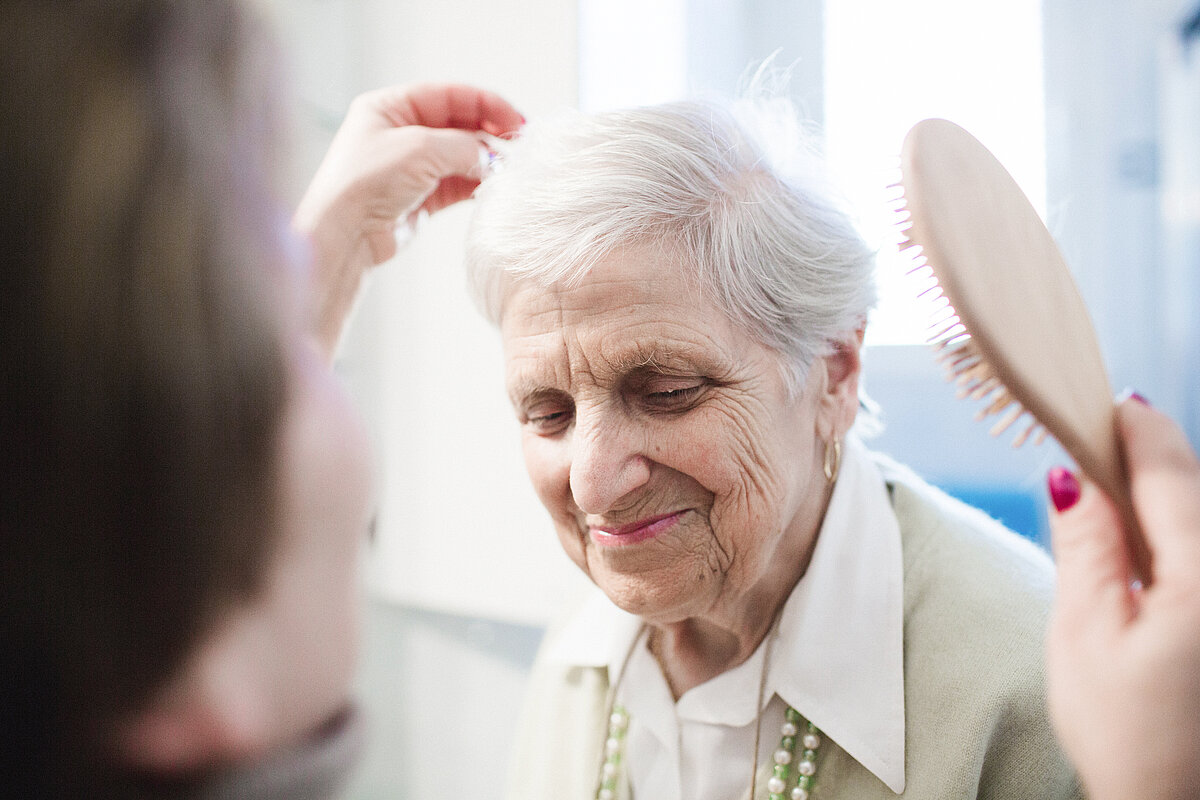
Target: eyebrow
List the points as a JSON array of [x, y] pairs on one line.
[[641, 356], [525, 393], [653, 356]]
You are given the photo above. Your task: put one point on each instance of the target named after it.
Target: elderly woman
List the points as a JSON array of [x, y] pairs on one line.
[[784, 613]]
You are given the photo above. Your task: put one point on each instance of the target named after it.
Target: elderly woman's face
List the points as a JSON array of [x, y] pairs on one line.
[[663, 439]]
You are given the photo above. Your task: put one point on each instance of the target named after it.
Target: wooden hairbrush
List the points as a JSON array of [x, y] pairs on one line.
[[1013, 330]]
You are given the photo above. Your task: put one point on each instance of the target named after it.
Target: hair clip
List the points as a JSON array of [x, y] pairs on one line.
[[491, 159]]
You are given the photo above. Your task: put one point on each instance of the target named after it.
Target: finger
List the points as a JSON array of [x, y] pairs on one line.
[[1164, 485], [451, 190], [1093, 563], [446, 151], [434, 167], [449, 106]]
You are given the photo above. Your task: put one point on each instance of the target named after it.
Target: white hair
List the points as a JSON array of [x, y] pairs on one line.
[[733, 192]]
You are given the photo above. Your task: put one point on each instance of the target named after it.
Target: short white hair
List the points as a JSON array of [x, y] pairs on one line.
[[733, 192]]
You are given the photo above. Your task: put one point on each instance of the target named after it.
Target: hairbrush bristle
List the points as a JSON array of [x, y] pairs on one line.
[[967, 368], [953, 347]]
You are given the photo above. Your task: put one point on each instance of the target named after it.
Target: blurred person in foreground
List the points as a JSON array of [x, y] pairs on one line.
[[186, 487]]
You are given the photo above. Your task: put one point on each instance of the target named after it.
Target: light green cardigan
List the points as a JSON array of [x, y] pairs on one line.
[[976, 599]]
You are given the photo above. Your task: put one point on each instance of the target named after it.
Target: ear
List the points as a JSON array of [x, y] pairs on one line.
[[839, 397]]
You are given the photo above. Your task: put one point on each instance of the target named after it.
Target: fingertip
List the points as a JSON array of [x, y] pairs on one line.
[[495, 115], [1129, 393], [1064, 488], [461, 106], [504, 124], [1151, 438], [1092, 562]]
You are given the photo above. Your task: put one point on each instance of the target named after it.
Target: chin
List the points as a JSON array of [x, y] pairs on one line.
[[658, 598]]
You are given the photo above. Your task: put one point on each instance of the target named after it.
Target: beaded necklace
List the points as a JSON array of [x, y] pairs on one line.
[[782, 773]]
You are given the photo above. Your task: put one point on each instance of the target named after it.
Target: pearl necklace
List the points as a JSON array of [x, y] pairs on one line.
[[782, 773], [805, 772]]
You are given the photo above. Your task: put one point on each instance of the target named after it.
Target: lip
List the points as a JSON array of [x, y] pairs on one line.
[[640, 531]]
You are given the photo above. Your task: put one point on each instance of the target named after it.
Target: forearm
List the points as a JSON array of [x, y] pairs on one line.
[[340, 257]]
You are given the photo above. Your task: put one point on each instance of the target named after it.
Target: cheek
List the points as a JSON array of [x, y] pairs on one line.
[[702, 458], [548, 477], [351, 477], [749, 473], [549, 467], [312, 604], [326, 464], [778, 490], [334, 463], [724, 453]]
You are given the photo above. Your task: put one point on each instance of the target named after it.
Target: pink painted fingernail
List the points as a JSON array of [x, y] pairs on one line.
[[1064, 488]]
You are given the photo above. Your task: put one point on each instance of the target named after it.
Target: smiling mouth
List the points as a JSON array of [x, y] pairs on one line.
[[635, 532]]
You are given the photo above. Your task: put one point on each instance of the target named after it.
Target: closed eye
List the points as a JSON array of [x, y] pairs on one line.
[[676, 394], [677, 397], [548, 419], [548, 416]]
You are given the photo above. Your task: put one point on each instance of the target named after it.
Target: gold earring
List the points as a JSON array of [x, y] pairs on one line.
[[833, 459]]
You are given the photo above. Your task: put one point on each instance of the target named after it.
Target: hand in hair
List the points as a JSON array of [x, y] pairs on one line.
[[1124, 666], [400, 150]]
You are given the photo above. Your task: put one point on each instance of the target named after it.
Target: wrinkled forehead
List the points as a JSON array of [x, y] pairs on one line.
[[582, 262], [622, 315], [622, 276], [626, 285]]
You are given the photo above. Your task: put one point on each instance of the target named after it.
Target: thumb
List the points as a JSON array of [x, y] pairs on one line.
[[1165, 487], [1092, 560]]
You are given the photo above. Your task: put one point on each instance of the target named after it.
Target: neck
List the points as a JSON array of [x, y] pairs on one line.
[[694, 651]]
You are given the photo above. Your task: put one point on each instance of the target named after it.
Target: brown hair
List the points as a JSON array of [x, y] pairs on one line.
[[143, 378]]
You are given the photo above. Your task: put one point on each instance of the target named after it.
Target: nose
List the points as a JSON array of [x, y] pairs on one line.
[[607, 459]]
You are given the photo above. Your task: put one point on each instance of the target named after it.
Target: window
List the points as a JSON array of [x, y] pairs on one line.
[[889, 65]]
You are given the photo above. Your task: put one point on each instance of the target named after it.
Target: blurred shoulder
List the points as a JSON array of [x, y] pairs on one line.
[[564, 717]]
